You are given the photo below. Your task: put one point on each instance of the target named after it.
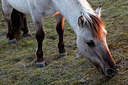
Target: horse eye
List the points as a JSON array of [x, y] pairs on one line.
[[91, 43]]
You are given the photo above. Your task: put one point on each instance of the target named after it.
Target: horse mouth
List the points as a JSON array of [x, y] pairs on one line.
[[110, 72]]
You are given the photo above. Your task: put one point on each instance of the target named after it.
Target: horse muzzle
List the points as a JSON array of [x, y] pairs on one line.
[[110, 72]]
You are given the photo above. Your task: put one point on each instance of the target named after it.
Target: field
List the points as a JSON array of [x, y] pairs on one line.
[[17, 62]]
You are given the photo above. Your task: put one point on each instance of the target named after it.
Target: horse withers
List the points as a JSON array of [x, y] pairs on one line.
[[86, 23]]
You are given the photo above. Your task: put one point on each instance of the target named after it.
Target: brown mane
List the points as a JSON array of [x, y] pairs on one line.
[[96, 26]]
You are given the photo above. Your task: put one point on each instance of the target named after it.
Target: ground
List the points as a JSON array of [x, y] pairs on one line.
[[17, 62]]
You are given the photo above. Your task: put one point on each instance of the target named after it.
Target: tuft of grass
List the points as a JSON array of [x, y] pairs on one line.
[[17, 62]]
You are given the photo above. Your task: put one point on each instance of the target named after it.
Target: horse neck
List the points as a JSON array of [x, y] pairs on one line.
[[72, 10]]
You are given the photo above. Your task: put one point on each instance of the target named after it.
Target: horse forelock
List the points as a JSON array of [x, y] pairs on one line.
[[95, 25]]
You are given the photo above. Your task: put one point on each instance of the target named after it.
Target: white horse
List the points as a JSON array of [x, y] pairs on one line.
[[87, 24]]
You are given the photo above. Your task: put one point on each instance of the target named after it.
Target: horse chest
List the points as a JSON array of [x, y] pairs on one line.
[[20, 5]]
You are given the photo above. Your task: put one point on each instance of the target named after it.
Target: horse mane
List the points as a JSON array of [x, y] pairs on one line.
[[95, 24]]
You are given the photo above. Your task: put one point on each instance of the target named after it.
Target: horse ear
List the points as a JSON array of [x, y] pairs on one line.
[[98, 10], [81, 21]]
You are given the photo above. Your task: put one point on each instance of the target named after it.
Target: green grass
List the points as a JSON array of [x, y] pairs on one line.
[[17, 62]]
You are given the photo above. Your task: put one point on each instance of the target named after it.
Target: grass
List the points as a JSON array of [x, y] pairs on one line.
[[17, 62]]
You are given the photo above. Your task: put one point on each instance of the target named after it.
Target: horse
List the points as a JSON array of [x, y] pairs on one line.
[[86, 23]]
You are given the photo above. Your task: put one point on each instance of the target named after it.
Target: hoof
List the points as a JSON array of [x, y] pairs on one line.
[[40, 64], [27, 35], [12, 41], [62, 55]]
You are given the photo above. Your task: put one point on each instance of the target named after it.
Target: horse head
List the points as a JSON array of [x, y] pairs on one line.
[[91, 42]]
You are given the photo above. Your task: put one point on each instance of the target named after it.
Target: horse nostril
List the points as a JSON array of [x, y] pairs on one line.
[[111, 72]]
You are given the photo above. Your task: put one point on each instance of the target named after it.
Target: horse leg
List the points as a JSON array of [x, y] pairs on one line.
[[40, 37], [17, 23], [7, 10], [25, 30], [60, 31], [38, 22]]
